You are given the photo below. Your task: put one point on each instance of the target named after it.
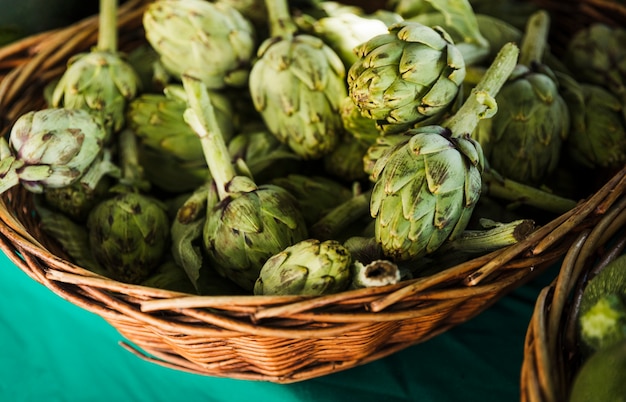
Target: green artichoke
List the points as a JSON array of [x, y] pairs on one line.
[[128, 235], [296, 84], [129, 232], [600, 138], [309, 267], [211, 41], [250, 223], [596, 55], [426, 189], [50, 148], [523, 141], [100, 81], [409, 76], [77, 200]]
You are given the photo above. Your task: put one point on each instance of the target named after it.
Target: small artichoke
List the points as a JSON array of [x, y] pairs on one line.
[[309, 267], [101, 81], [409, 76], [50, 148], [296, 84], [128, 235], [600, 138], [211, 41], [523, 141], [596, 55], [360, 127]]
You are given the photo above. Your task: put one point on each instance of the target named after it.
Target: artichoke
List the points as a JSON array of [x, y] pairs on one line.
[[296, 84], [600, 138], [211, 41], [410, 76], [346, 160], [250, 223], [128, 235], [309, 267], [426, 189], [100, 81], [523, 141], [596, 55], [77, 200], [50, 148], [129, 232]]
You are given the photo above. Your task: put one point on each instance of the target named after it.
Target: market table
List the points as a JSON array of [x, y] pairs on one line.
[[52, 350]]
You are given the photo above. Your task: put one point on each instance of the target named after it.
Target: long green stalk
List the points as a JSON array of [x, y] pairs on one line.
[[107, 32]]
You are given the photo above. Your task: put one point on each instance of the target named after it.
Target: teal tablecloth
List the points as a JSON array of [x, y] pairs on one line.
[[52, 350]]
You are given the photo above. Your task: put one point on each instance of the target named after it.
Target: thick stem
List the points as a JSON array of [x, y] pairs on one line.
[[484, 241], [481, 103], [201, 117], [509, 190], [281, 23], [107, 32], [535, 39]]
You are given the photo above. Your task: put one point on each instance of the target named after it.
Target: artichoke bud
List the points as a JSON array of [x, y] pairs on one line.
[[50, 148], [309, 267], [249, 226], [129, 234], [600, 139], [407, 77], [211, 41], [346, 160], [77, 200], [523, 140], [101, 82], [297, 84], [360, 127], [425, 192]]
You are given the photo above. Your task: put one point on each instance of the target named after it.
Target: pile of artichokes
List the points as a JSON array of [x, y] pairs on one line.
[[275, 148]]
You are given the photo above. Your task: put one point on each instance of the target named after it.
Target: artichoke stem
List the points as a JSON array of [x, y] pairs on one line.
[[107, 32], [480, 103], [496, 237], [281, 23], [201, 117], [510, 190], [535, 39], [342, 216], [132, 171]]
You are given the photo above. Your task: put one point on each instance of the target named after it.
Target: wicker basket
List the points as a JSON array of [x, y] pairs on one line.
[[551, 349], [277, 339]]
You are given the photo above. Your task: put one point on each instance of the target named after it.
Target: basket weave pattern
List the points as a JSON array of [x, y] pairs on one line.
[[279, 339]]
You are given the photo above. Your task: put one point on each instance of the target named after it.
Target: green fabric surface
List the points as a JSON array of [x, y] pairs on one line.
[[52, 350]]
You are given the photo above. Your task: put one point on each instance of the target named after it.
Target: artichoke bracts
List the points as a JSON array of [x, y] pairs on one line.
[[523, 140], [100, 81], [250, 223], [596, 55], [297, 84], [51, 148], [597, 137], [426, 189], [407, 77], [309, 267], [211, 41], [129, 232]]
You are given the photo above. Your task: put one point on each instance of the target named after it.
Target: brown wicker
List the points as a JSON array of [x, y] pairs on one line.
[[277, 339], [551, 348]]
